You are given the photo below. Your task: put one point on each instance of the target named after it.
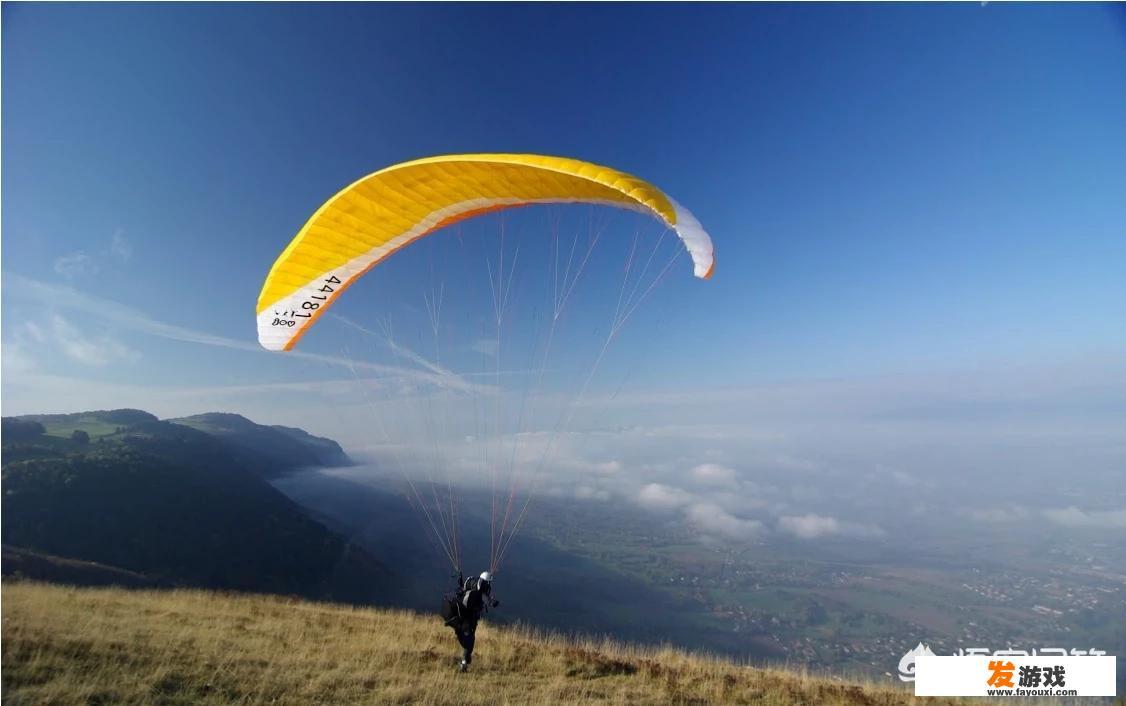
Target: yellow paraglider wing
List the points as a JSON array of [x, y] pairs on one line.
[[382, 212]]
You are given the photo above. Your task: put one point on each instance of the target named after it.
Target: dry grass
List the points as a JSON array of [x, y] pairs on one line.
[[111, 646]]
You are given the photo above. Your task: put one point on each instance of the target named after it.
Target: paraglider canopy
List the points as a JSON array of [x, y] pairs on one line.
[[373, 217]]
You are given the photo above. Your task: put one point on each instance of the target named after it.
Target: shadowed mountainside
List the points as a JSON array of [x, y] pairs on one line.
[[171, 503], [284, 448]]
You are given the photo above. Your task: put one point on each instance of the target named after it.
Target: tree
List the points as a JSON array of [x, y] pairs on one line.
[[80, 437], [21, 429]]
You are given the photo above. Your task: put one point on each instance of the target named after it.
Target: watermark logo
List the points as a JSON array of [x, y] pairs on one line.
[[1031, 676], [1002, 674], [986, 675], [907, 664]]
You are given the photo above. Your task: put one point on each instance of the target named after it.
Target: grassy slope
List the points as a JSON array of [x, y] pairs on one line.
[[67, 645]]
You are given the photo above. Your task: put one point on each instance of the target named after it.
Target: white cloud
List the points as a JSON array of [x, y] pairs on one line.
[[80, 263], [814, 526], [1100, 519], [585, 492], [904, 479], [34, 332], [120, 247], [31, 342], [15, 358], [485, 346], [662, 497], [18, 350], [714, 474], [710, 518], [793, 463], [76, 264], [1001, 515], [95, 351], [608, 467], [809, 526]]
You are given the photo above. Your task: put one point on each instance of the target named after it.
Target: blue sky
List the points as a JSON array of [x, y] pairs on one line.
[[892, 189]]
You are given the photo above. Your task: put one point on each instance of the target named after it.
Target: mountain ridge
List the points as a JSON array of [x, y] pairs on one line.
[[289, 448]]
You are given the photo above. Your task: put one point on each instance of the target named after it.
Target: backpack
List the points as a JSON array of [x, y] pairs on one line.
[[473, 595]]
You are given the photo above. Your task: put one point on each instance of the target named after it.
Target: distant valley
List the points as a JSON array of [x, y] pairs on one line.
[[216, 501]]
